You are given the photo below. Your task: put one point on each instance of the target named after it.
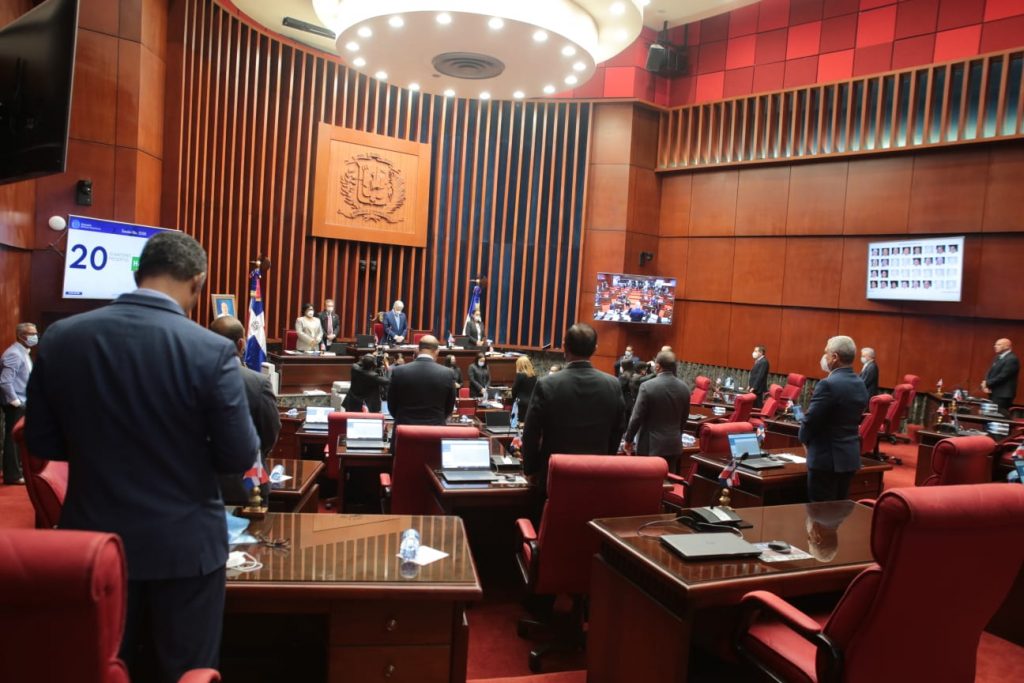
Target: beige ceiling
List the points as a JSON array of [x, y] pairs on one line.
[[678, 12]]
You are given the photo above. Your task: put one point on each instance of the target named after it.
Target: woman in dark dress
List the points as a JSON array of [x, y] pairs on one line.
[[522, 388], [449, 362], [479, 376]]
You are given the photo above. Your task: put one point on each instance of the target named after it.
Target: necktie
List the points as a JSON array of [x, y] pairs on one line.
[[330, 323]]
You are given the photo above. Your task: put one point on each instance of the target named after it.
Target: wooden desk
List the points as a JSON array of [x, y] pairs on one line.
[[300, 372], [782, 433], [379, 461], [777, 486], [383, 620], [298, 494], [503, 370], [664, 603], [455, 497]]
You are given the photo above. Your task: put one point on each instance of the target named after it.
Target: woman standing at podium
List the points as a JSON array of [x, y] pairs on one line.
[[309, 329], [474, 327]]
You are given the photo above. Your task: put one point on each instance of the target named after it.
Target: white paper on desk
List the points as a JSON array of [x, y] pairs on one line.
[[314, 392], [790, 457], [426, 555]]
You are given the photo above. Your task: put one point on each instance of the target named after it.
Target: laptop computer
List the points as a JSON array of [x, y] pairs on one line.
[[466, 461], [364, 434], [748, 444], [499, 422], [709, 546], [316, 418], [365, 341]]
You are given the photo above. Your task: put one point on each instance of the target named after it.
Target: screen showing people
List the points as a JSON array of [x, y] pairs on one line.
[[642, 299], [928, 269]]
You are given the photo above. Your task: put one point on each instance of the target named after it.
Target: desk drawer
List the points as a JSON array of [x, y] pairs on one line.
[[865, 486], [415, 664], [380, 622]]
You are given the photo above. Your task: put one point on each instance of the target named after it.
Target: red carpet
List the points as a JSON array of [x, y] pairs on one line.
[[15, 510]]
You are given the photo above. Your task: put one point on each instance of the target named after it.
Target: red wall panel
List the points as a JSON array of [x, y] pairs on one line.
[[709, 269], [749, 327], [804, 333]]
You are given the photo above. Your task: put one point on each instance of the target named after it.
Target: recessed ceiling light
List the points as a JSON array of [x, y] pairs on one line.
[[352, 46], [381, 75], [548, 89], [365, 32], [571, 80], [579, 66], [485, 95], [359, 61], [569, 51], [396, 22], [444, 18], [414, 86], [496, 23], [449, 93], [519, 94], [540, 36], [617, 8]]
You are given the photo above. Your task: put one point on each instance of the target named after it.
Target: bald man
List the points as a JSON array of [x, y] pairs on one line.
[[1001, 381], [422, 392]]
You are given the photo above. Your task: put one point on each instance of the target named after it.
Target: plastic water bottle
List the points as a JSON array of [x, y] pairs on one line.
[[276, 474], [409, 545]]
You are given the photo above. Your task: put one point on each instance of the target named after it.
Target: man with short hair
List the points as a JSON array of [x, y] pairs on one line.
[[422, 392], [577, 410], [759, 375], [1001, 381], [831, 422], [329, 321], [15, 368], [396, 325], [869, 370], [626, 355], [148, 408], [660, 413]]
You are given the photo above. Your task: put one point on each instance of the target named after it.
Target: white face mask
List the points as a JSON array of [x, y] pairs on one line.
[[753, 354], [824, 363], [31, 340], [330, 309], [309, 314], [864, 359], [242, 562], [481, 363]]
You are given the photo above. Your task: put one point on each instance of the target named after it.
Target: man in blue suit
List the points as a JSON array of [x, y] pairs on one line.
[[830, 425], [396, 326], [148, 408]]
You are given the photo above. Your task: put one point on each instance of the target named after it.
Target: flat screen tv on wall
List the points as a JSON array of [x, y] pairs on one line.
[[929, 269], [635, 299]]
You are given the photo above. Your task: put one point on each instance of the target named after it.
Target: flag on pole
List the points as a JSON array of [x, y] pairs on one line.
[[255, 476], [256, 343], [729, 476], [473, 300]]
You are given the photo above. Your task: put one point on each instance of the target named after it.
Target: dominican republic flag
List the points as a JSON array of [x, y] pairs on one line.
[[255, 476], [473, 300], [729, 476], [256, 343]]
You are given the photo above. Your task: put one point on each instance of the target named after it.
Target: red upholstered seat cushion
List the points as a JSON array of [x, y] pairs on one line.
[[769, 639]]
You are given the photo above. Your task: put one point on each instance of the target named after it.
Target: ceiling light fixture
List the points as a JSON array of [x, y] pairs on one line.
[[381, 75], [571, 80], [414, 86], [485, 95], [359, 62], [352, 46], [449, 93], [507, 46], [518, 94]]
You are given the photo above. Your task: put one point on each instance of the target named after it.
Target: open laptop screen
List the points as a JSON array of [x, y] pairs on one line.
[[362, 428], [744, 443], [318, 413], [498, 418], [462, 454]]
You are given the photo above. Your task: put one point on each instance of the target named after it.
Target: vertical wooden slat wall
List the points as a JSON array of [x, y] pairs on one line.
[[507, 188]]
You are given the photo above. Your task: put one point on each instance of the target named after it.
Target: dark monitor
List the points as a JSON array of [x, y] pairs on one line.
[[462, 341], [365, 341]]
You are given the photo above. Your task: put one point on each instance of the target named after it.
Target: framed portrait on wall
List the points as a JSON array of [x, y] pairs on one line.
[[223, 304]]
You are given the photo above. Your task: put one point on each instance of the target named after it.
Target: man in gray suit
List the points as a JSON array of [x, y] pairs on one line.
[[660, 412], [15, 368]]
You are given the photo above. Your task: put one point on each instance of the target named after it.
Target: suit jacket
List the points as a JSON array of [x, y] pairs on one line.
[[659, 416], [335, 321], [310, 333], [475, 331], [869, 373], [267, 419], [479, 379], [395, 325], [831, 422], [759, 378], [421, 393], [576, 410], [17, 366], [1002, 376], [147, 408]]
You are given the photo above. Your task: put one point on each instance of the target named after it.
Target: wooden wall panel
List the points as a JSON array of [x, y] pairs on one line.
[[1004, 201], [614, 144], [706, 333], [813, 272], [854, 284], [967, 306], [758, 268], [762, 200], [713, 203], [1000, 286], [804, 333], [99, 15], [17, 212], [602, 253], [675, 205], [937, 348], [878, 195], [605, 207], [645, 202], [948, 192], [882, 333], [672, 260], [15, 264], [750, 326], [94, 93], [709, 269], [817, 196]]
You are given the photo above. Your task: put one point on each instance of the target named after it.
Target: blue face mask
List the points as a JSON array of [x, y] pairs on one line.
[[31, 340]]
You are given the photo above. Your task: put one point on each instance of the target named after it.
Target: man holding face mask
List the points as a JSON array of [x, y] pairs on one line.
[[831, 421], [16, 367]]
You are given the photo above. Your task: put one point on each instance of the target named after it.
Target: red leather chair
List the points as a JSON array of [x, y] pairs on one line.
[[378, 332], [962, 460], [581, 488], [878, 407], [406, 491], [794, 385], [742, 408], [714, 436], [291, 340], [897, 411], [417, 335], [913, 381], [769, 408], [464, 392], [336, 423], [701, 386], [69, 585], [939, 551], [46, 481], [677, 497]]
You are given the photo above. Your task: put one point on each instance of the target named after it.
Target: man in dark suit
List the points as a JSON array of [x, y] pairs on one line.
[[329, 321], [422, 392], [759, 376], [660, 412], [396, 325], [576, 410], [148, 408], [1001, 381], [262, 409], [869, 370], [626, 355], [830, 425]]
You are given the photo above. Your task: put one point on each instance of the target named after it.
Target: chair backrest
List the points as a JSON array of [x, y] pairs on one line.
[[378, 332], [962, 460], [419, 334], [898, 408], [742, 408], [701, 385], [913, 381], [940, 551], [775, 391], [417, 446], [794, 385], [582, 488], [769, 408], [336, 425], [878, 406], [70, 583], [464, 392], [46, 481], [291, 340], [714, 436]]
